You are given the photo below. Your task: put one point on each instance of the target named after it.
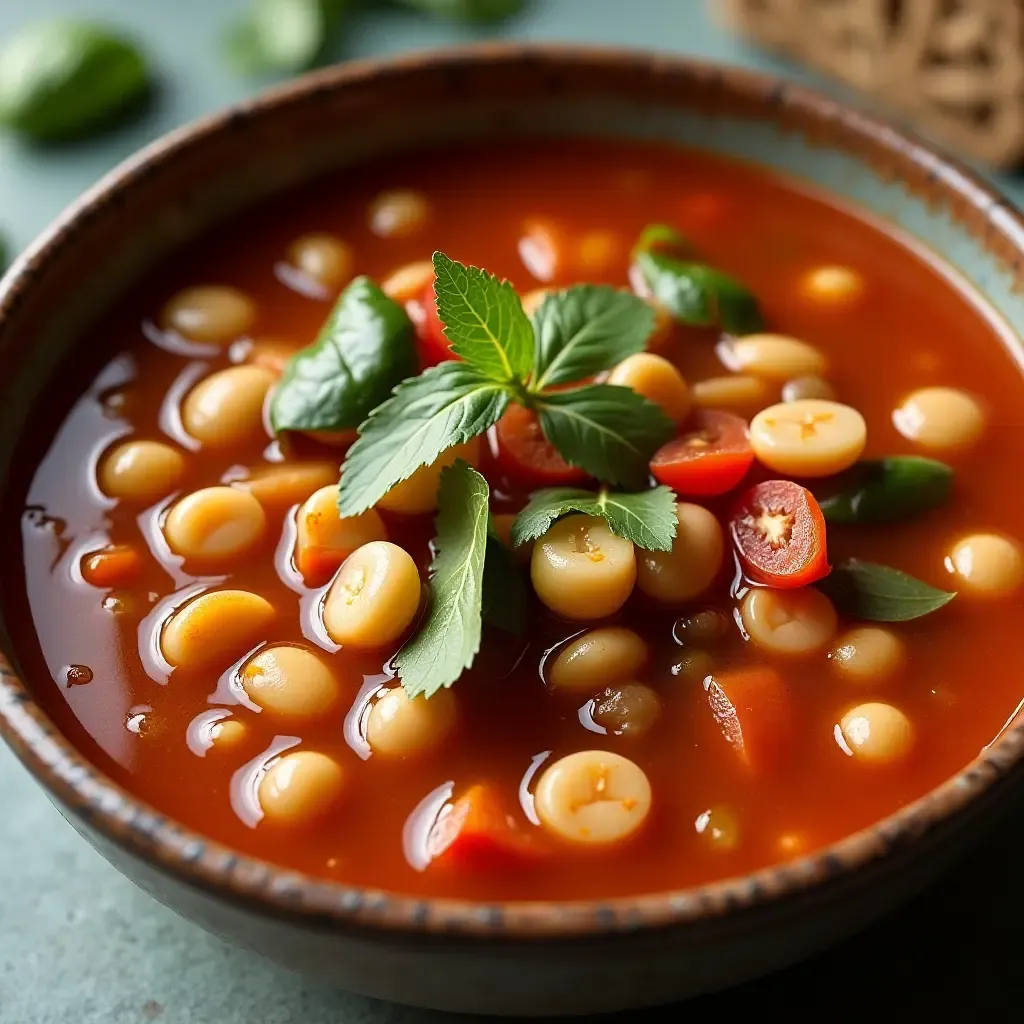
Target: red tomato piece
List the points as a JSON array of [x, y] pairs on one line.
[[779, 532], [710, 458], [476, 834], [526, 454], [433, 345], [752, 708]]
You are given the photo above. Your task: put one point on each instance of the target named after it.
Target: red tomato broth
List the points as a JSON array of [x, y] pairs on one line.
[[766, 232]]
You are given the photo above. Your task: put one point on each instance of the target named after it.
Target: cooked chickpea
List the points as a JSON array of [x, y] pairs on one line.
[[301, 788], [598, 658], [598, 251], [212, 314], [226, 409], [113, 566], [399, 213], [290, 483], [532, 299], [142, 471], [581, 570], [657, 380], [593, 797], [402, 726], [418, 493], [987, 565], [707, 626], [374, 597], [868, 654], [409, 281], [719, 828], [692, 564], [877, 733], [940, 419], [228, 734], [832, 286], [288, 681], [215, 627], [800, 388], [628, 710], [772, 356], [789, 622], [324, 258], [809, 438], [324, 539], [738, 393], [215, 523]]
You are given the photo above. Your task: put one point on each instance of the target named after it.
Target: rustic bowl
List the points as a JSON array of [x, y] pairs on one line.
[[510, 958]]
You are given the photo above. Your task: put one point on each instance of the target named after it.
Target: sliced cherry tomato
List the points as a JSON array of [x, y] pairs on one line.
[[712, 457], [526, 454], [476, 834], [779, 532], [433, 345], [752, 709]]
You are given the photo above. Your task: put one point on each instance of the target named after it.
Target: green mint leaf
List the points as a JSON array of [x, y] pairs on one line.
[[647, 518], [483, 319], [64, 79], [446, 405], [467, 10], [504, 602], [607, 430], [586, 329], [693, 292], [365, 348], [449, 639], [879, 593], [283, 35], [888, 490]]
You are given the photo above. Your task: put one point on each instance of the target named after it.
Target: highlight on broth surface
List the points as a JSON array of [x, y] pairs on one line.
[[492, 526]]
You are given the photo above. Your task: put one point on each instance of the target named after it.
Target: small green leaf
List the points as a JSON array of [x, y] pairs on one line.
[[365, 348], [888, 490], [446, 405], [62, 79], [283, 35], [449, 639], [693, 292], [586, 329], [467, 10], [879, 593], [483, 319], [647, 518], [609, 431], [504, 602]]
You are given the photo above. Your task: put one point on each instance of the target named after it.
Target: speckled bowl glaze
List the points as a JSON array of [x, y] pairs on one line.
[[518, 958]]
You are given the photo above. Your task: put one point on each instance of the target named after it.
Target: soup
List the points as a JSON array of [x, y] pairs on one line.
[[809, 414]]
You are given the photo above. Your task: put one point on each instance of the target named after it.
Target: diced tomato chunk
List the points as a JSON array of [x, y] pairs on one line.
[[433, 345], [476, 834], [528, 456], [753, 710]]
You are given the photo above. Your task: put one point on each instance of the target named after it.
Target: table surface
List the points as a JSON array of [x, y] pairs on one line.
[[79, 943]]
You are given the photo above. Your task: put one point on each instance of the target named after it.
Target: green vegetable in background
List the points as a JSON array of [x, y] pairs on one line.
[[364, 349], [284, 35], [64, 79], [694, 293], [879, 593], [467, 10], [888, 490]]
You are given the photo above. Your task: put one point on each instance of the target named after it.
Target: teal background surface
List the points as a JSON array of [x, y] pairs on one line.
[[80, 945]]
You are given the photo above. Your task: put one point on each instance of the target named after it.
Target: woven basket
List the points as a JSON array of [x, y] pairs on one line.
[[955, 68]]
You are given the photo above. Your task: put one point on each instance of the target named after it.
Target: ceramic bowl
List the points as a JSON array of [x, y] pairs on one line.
[[515, 958]]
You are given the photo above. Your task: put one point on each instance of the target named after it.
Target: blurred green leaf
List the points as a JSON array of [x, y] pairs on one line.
[[467, 10], [284, 35], [64, 79]]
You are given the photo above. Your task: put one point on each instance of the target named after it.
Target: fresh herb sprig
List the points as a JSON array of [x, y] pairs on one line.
[[609, 431]]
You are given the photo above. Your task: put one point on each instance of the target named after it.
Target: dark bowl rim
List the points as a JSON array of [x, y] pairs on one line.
[[130, 823]]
